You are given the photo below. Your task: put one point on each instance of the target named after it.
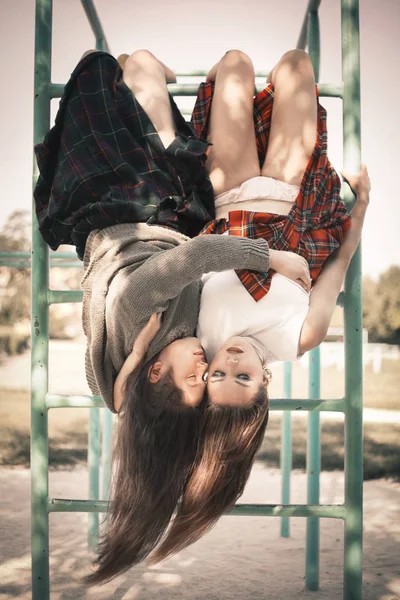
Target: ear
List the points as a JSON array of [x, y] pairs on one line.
[[266, 378], [155, 371]]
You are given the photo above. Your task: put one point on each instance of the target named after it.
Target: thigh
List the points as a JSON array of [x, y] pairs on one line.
[[147, 79], [232, 158], [294, 118]]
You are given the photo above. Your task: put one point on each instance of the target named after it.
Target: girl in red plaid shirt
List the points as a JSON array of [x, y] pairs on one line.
[[271, 179]]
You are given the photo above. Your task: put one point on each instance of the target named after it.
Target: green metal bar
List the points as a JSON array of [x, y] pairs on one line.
[[190, 89], [313, 433], [27, 265], [307, 405], [106, 453], [64, 296], [313, 474], [312, 6], [56, 90], [314, 41], [53, 255], [286, 448], [352, 316], [40, 325], [91, 13], [61, 401], [94, 472], [332, 511]]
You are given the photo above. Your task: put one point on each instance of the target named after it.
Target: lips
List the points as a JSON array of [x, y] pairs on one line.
[[234, 350]]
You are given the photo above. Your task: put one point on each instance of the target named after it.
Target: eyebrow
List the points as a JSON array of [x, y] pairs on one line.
[[237, 381]]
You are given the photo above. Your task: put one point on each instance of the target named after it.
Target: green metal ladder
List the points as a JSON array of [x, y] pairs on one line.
[[350, 405]]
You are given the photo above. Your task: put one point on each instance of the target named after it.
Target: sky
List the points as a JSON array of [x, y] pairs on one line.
[[190, 36]]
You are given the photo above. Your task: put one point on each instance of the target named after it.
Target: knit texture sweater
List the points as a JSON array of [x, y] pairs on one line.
[[135, 270]]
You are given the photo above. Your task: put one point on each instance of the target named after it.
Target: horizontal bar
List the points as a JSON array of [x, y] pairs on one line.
[[190, 89], [318, 405], [64, 296], [333, 511], [56, 90], [15, 264], [28, 255], [61, 401], [27, 265], [341, 299]]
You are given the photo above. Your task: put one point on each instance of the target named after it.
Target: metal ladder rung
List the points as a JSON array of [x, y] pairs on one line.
[[321, 511], [327, 90], [63, 296], [286, 404], [64, 401]]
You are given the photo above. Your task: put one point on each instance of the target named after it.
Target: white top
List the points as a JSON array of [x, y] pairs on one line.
[[273, 323]]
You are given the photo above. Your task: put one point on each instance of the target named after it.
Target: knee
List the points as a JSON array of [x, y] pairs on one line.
[[140, 58], [87, 53], [237, 56], [298, 59]]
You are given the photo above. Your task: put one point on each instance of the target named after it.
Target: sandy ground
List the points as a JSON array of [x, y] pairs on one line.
[[242, 558]]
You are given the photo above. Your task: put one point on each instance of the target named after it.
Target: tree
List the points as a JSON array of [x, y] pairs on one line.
[[14, 299], [382, 306]]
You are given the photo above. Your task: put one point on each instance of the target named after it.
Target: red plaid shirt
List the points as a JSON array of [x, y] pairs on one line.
[[317, 222]]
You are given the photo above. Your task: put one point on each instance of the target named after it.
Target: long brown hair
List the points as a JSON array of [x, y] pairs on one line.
[[155, 448], [229, 438]]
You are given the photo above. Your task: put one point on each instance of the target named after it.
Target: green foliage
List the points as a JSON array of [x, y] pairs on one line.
[[15, 290], [15, 283], [381, 308]]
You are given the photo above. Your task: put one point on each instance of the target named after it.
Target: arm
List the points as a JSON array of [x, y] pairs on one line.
[[139, 351], [326, 290], [164, 275]]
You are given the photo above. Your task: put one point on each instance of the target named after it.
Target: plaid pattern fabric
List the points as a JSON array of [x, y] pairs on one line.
[[317, 222], [103, 163]]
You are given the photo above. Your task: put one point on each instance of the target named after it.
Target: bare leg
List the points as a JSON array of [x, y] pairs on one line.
[[147, 78], [233, 157], [294, 118]]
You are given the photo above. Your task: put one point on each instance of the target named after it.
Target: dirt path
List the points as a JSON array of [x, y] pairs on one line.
[[243, 558]]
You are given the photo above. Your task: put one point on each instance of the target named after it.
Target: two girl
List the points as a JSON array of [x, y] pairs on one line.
[[126, 180]]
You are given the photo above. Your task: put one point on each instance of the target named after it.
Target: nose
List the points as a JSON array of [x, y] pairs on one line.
[[201, 367], [232, 359]]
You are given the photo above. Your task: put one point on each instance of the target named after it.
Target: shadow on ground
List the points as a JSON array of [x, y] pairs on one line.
[[381, 456]]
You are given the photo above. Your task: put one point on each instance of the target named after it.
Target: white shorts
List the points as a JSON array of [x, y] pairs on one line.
[[252, 194]]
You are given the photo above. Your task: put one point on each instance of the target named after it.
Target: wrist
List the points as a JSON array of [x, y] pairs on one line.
[[273, 259]]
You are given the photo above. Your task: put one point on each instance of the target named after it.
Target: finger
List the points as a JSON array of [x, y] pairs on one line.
[[307, 280], [302, 284]]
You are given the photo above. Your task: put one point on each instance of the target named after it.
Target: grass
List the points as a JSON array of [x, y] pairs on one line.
[[380, 390], [68, 440]]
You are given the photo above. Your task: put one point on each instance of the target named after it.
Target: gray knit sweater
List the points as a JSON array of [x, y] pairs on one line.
[[134, 270]]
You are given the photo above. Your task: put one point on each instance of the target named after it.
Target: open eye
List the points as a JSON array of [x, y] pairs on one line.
[[218, 374], [243, 376]]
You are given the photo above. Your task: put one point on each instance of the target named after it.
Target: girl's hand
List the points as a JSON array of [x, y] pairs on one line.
[[359, 183], [292, 266], [148, 333]]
